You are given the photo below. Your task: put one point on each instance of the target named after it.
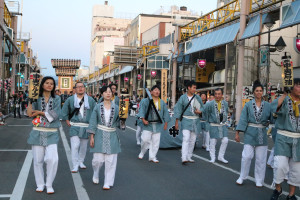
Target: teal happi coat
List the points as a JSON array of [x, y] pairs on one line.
[[105, 142], [213, 116], [193, 125], [286, 120], [52, 110], [203, 121], [116, 100], [273, 121], [68, 108], [163, 113], [253, 135]]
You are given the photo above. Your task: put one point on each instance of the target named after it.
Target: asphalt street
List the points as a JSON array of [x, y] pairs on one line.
[[135, 179]]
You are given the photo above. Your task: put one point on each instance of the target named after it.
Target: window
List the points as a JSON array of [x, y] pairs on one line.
[[158, 62]]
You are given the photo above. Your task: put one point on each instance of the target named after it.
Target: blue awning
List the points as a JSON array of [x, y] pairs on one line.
[[253, 26], [213, 39], [126, 69], [291, 15]]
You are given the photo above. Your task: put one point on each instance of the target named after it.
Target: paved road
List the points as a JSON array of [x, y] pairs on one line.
[[135, 179]]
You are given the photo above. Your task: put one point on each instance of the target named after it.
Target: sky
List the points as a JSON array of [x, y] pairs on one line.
[[62, 28]]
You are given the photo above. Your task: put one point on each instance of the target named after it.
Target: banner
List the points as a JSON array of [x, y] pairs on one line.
[[123, 106], [287, 73], [34, 85], [164, 85]]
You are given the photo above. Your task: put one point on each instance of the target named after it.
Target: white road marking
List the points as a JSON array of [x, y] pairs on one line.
[[5, 195], [227, 168], [22, 179], [79, 187], [15, 150]]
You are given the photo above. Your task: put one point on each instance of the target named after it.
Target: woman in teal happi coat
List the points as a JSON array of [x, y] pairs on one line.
[[255, 116], [104, 139], [44, 136]]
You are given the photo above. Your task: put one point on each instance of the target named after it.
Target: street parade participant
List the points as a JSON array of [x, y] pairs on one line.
[[77, 112], [44, 135], [253, 121], [204, 126], [216, 112], [273, 131], [187, 110], [115, 99], [155, 116], [287, 144], [139, 126], [104, 139]]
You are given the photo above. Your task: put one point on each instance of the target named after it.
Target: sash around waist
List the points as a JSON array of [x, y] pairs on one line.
[[105, 128], [289, 133], [256, 125], [79, 124], [214, 124], [43, 129], [191, 117]]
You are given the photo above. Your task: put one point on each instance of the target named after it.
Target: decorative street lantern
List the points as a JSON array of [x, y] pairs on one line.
[[201, 63], [126, 79], [153, 74], [297, 44], [139, 76]]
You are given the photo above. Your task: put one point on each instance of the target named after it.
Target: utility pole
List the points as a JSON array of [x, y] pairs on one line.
[[1, 49], [14, 55], [174, 71], [239, 87], [20, 37]]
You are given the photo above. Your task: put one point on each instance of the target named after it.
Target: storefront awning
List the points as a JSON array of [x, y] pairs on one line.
[[213, 39], [253, 26], [111, 75], [126, 69], [101, 78], [291, 15], [209, 88]]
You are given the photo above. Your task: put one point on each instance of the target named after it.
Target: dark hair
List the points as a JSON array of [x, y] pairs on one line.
[[296, 81], [77, 83], [219, 89], [42, 89], [257, 84], [113, 84], [190, 84], [104, 89], [203, 93], [154, 87]]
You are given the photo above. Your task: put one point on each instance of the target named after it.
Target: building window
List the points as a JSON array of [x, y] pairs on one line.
[[158, 62]]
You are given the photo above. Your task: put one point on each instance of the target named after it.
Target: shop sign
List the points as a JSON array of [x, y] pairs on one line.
[[139, 76], [297, 44], [203, 74], [125, 79], [263, 61], [287, 73], [164, 84], [153, 74], [201, 63]]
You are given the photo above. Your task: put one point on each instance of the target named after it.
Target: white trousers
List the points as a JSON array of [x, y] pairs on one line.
[[205, 138], [78, 150], [138, 134], [150, 141], [110, 161], [261, 153], [212, 147], [48, 155], [188, 144], [284, 165], [271, 158]]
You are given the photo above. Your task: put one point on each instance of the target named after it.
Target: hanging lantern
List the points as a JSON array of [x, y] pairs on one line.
[[153, 74], [126, 79], [139, 76]]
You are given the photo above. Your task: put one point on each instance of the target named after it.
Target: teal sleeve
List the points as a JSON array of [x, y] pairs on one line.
[[93, 121], [166, 117], [243, 122], [65, 110], [178, 108], [56, 111]]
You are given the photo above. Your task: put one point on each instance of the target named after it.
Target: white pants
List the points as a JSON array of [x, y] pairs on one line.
[[261, 153], [212, 148], [271, 158], [110, 161], [188, 144], [205, 138], [284, 165], [78, 150], [150, 141], [138, 134], [48, 155]]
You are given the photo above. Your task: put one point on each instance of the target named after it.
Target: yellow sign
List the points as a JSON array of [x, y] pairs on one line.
[[103, 70], [164, 85], [203, 74], [123, 106], [287, 73], [34, 85]]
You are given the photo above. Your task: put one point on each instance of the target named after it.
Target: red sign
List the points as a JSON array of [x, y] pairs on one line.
[[139, 76], [153, 74], [125, 79], [297, 44], [201, 63]]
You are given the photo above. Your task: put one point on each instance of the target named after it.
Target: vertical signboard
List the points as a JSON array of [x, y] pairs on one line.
[[34, 85], [287, 73], [164, 84]]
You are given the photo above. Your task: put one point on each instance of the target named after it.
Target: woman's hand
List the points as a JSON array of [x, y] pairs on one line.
[[237, 137], [145, 122], [166, 126], [36, 113], [92, 142], [68, 123]]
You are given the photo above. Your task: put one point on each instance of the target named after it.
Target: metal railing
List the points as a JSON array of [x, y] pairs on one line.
[[221, 16], [7, 16]]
